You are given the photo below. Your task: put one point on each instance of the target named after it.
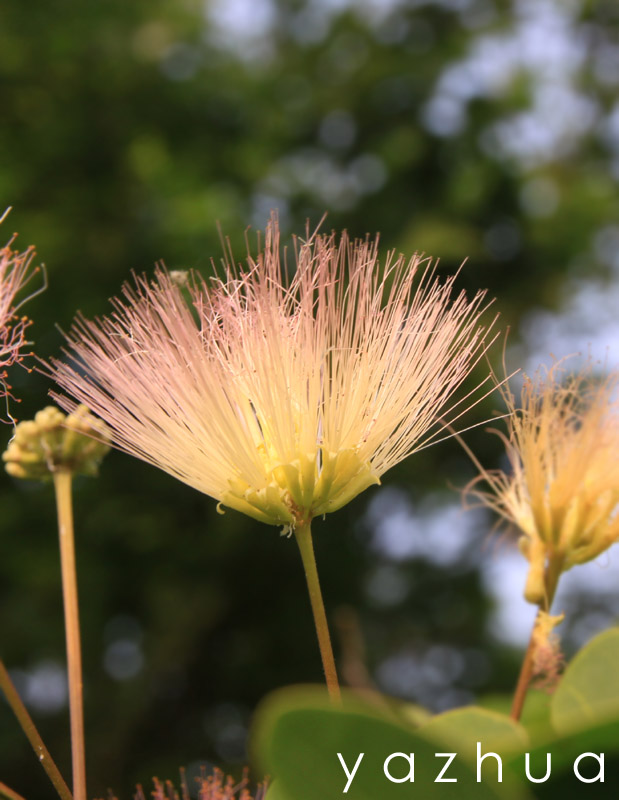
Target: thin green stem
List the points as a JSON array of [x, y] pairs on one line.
[[24, 719], [551, 578], [303, 536], [62, 486]]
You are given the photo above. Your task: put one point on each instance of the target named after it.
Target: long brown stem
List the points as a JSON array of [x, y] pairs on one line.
[[6, 791], [551, 578], [62, 485], [303, 535], [24, 719]]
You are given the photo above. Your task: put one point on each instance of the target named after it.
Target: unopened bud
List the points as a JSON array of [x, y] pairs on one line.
[[54, 441], [179, 277]]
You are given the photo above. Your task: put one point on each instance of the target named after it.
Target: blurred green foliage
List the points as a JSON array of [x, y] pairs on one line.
[[129, 131]]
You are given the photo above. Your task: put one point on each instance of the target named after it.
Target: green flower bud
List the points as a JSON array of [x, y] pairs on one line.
[[54, 441]]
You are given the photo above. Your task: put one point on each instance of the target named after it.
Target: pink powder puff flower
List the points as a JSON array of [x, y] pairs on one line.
[[283, 400], [15, 273]]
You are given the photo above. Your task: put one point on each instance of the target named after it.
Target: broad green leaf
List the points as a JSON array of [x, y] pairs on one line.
[[297, 739], [536, 714], [409, 714], [501, 703], [535, 717], [464, 727], [589, 690]]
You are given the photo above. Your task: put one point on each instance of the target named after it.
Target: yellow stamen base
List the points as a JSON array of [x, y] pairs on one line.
[[302, 489]]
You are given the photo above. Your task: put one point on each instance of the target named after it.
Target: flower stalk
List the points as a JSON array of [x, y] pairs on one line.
[[28, 727], [303, 535], [62, 486], [552, 574], [54, 446], [8, 793]]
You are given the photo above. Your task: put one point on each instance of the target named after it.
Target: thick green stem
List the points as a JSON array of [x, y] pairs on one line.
[[551, 578], [62, 485], [24, 719], [303, 535]]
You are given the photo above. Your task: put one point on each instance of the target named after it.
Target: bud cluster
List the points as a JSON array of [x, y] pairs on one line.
[[54, 441]]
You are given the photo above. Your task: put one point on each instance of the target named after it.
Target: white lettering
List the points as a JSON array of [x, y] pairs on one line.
[[599, 758], [440, 778], [411, 772], [527, 767], [349, 775], [480, 759]]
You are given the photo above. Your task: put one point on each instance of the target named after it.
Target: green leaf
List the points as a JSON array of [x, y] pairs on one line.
[[589, 690], [464, 727], [535, 717], [298, 736], [411, 714], [501, 703]]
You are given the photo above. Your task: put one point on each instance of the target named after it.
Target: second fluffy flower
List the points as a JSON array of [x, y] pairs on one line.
[[563, 489]]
